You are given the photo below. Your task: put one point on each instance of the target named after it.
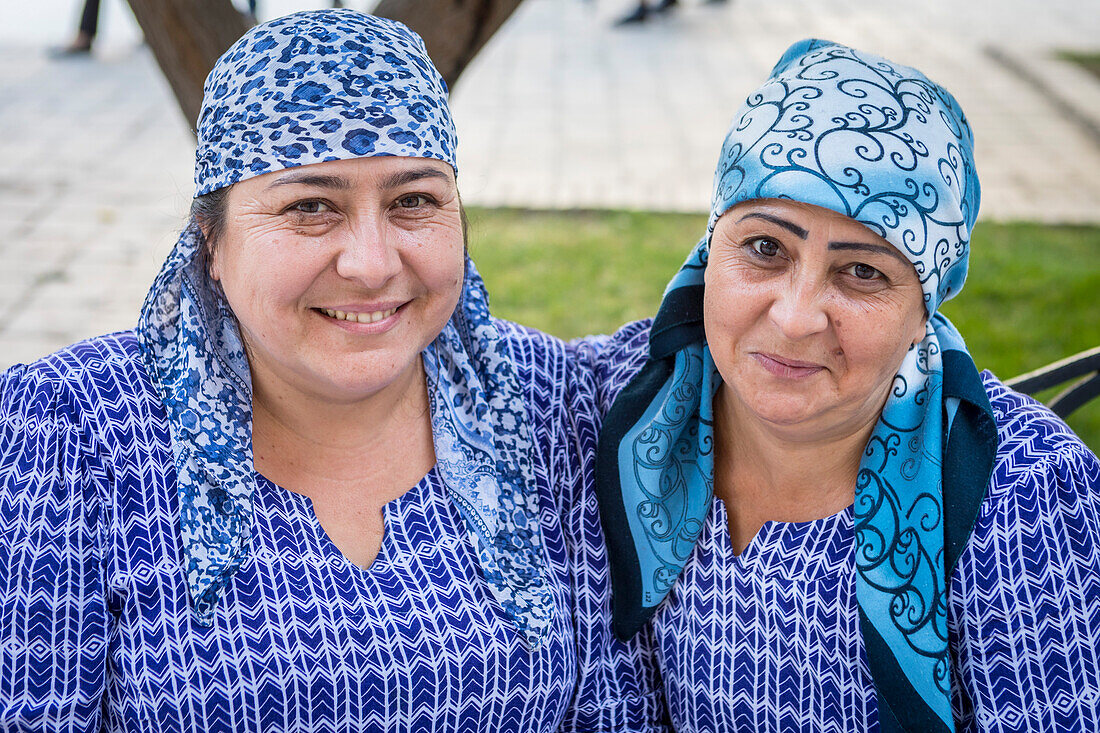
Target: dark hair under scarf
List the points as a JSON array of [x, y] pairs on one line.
[[880, 143]]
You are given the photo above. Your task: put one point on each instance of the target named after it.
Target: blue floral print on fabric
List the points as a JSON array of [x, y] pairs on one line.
[[882, 144], [317, 86], [307, 88]]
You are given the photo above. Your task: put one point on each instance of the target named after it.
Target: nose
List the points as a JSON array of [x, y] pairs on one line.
[[369, 255], [798, 311]]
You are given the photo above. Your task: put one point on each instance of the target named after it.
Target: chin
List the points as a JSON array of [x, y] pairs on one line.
[[349, 379], [783, 410], [786, 418]]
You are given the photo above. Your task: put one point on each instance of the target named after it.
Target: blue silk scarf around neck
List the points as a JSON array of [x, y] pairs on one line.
[[306, 88], [883, 145]]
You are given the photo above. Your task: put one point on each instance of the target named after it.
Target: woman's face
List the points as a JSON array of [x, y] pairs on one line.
[[340, 273], [808, 315]]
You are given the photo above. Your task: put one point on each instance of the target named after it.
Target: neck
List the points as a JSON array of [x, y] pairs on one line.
[[763, 473], [303, 439]]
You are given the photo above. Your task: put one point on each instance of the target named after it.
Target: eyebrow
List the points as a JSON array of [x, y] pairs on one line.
[[396, 180], [402, 178], [868, 247], [788, 225], [312, 179]]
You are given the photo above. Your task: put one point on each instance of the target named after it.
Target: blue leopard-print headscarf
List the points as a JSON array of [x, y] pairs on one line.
[[882, 144], [307, 88]]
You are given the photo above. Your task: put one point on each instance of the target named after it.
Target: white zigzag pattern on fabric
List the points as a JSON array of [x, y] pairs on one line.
[[96, 631], [770, 640]]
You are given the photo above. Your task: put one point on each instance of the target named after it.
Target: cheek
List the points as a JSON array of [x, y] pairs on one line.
[[440, 263], [725, 323], [265, 271], [731, 303], [715, 324], [874, 346]]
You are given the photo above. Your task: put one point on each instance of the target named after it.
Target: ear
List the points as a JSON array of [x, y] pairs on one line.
[[210, 254], [920, 331]]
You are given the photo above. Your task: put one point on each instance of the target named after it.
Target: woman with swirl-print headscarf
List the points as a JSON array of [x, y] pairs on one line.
[[318, 488], [828, 518]]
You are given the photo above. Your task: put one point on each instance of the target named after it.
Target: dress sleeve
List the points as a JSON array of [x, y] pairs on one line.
[[1027, 614], [613, 360], [618, 686], [53, 612]]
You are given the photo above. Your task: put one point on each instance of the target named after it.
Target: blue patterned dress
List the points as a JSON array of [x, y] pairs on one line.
[[770, 640], [97, 631]]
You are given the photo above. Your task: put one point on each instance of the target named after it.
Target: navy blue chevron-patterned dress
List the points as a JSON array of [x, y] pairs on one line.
[[97, 631], [770, 640]]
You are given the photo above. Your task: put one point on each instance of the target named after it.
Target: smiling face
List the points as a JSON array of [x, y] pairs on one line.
[[808, 315], [341, 273]]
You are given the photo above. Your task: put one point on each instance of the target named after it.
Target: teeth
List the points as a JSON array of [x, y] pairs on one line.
[[358, 317]]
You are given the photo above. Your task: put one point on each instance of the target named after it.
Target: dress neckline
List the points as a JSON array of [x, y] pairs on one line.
[[808, 550], [415, 500]]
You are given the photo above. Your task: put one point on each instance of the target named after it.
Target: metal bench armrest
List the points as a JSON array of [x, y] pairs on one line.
[[1083, 367]]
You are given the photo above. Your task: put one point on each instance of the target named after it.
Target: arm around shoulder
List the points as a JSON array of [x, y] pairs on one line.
[[618, 688], [53, 608]]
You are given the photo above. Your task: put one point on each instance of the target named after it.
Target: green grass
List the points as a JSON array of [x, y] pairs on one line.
[[1090, 61], [1033, 294]]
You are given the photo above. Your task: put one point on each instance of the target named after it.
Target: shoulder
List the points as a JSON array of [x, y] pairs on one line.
[[628, 345], [546, 373], [71, 363], [90, 384], [1035, 446], [530, 348], [56, 415], [1028, 583], [614, 360], [1043, 497], [66, 368], [543, 364]]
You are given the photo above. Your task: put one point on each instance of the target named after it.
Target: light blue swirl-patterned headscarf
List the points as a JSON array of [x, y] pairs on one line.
[[307, 88], [882, 144]]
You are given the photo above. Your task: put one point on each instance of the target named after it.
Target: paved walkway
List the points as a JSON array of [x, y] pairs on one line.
[[561, 111]]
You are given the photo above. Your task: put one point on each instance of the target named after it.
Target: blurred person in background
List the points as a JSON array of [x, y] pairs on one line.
[[644, 10], [89, 25], [86, 31]]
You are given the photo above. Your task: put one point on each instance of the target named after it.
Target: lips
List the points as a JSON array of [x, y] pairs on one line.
[[364, 318], [358, 317], [786, 368]]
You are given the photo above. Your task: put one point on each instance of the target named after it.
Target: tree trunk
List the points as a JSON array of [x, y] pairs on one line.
[[453, 30], [187, 37]]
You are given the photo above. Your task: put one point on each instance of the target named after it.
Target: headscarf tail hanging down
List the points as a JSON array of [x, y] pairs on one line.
[[306, 88], [882, 144]]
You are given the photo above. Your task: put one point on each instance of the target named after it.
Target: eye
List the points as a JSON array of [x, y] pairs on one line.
[[764, 246], [309, 207], [861, 271], [412, 201]]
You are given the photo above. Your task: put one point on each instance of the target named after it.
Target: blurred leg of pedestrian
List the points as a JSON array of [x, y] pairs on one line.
[[639, 14], [85, 34], [644, 11]]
